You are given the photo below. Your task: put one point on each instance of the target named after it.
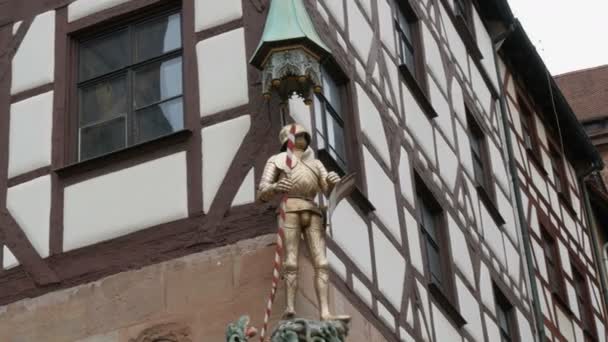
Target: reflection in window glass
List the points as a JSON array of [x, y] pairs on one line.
[[130, 86]]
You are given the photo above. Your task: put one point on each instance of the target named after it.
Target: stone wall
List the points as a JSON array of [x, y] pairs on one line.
[[193, 298]]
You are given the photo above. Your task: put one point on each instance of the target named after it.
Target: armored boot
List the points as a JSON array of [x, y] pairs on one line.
[[291, 284], [322, 288]]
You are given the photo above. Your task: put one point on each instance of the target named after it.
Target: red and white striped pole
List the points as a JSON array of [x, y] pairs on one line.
[[278, 255]]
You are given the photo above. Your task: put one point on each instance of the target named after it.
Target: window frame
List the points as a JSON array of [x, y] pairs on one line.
[[463, 11], [587, 317], [501, 301], [444, 293], [556, 280], [343, 166], [558, 162], [529, 129], [417, 81], [476, 132], [128, 21]]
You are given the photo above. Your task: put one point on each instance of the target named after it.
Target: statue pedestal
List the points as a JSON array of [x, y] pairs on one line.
[[303, 330], [295, 330]]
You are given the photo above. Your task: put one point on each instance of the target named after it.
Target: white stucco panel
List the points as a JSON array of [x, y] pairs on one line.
[[351, 233], [485, 288], [362, 291], [125, 201], [525, 329], [462, 258], [222, 72], [336, 264], [208, 14], [9, 260], [82, 8], [371, 125], [387, 32], [493, 331], [390, 280], [30, 205], [413, 239], [448, 161], [359, 31], [419, 125], [31, 125], [221, 142], [432, 54], [34, 61], [336, 8], [405, 177], [381, 191], [246, 193], [470, 311], [464, 148], [444, 330], [513, 261]]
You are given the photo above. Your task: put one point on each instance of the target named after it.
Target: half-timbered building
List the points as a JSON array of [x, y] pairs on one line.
[[133, 134]]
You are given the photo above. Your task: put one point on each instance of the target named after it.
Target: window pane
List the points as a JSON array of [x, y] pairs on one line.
[[434, 262], [103, 101], [159, 120], [103, 138], [154, 38], [479, 172], [331, 91], [103, 55], [157, 82], [335, 134]]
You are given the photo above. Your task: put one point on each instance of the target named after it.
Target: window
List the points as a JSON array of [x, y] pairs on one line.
[[528, 126], [432, 226], [129, 85], [505, 317], [554, 270], [584, 302], [409, 43], [480, 154], [559, 175], [329, 116]]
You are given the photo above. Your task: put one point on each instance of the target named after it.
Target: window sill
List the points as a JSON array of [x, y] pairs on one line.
[[490, 204], [536, 159], [467, 37], [124, 154], [418, 92], [561, 300], [447, 305], [357, 195], [567, 204]]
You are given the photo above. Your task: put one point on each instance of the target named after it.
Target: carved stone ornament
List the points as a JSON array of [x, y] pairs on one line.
[[169, 332], [296, 330], [292, 71]]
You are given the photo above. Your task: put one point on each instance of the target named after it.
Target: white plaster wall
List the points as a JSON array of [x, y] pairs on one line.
[[222, 72], [387, 31], [208, 14], [462, 258], [390, 279], [448, 162], [82, 8], [9, 260], [246, 193], [221, 143], [405, 177], [34, 61], [469, 307], [413, 239], [31, 125], [30, 205], [351, 233], [360, 32], [381, 191], [125, 201], [371, 125], [419, 125], [336, 8]]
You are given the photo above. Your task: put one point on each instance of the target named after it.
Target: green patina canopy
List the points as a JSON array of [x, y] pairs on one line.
[[288, 23]]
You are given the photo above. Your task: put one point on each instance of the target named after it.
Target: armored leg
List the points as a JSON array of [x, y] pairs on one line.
[[292, 232], [315, 238]]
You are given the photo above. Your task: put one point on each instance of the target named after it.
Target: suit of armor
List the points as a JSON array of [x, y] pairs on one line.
[[302, 182]]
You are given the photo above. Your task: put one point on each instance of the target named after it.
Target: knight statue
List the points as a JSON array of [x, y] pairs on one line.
[[301, 183]]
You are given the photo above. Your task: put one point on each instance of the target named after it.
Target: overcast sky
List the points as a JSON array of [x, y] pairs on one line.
[[569, 34]]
